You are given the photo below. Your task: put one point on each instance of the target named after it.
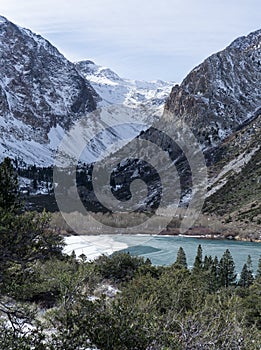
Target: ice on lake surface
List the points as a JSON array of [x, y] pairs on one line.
[[162, 250]]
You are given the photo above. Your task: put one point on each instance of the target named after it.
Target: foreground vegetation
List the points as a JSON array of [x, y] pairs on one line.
[[123, 302], [51, 301]]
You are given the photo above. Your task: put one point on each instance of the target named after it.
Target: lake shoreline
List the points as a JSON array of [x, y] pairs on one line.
[[212, 236], [205, 233]]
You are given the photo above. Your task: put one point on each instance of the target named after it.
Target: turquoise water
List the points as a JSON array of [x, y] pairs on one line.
[[162, 250]]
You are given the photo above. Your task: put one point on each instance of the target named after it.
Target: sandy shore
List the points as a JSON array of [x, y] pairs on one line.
[[92, 246]]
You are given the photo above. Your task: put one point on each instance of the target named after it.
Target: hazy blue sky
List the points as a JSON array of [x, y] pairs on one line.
[[141, 39]]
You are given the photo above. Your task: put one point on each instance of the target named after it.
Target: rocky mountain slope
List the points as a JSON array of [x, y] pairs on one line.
[[234, 191], [42, 94], [221, 101], [222, 93]]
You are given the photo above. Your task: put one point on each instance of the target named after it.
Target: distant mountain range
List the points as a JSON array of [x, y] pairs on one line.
[[116, 90]]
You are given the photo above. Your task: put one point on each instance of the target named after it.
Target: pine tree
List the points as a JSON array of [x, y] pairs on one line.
[[181, 258], [246, 276], [244, 281], [243, 277], [215, 267], [9, 190], [35, 184], [227, 275], [207, 264], [24, 237], [258, 273], [250, 270], [214, 275], [198, 263]]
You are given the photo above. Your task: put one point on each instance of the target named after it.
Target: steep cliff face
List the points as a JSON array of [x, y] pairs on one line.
[[221, 93], [38, 86]]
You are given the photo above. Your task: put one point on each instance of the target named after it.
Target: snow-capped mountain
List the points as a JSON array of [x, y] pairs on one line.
[[42, 95], [116, 90]]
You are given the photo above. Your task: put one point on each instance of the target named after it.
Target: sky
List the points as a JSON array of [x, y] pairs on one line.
[[138, 39]]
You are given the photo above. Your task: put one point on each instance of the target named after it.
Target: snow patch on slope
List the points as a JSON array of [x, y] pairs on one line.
[[18, 143], [103, 132], [235, 165], [55, 136]]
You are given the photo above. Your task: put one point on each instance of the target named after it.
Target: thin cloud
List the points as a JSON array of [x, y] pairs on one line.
[[144, 34]]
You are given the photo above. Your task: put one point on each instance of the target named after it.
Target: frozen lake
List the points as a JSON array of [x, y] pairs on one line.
[[162, 250]]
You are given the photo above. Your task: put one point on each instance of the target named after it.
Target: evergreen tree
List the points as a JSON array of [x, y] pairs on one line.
[[243, 277], [258, 273], [227, 275], [35, 184], [181, 258], [246, 276], [214, 275], [9, 190], [207, 264], [198, 263], [24, 238]]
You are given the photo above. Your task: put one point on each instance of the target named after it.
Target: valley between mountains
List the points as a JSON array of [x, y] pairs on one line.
[[43, 96]]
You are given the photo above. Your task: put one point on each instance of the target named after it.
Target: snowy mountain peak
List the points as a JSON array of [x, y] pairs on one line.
[[89, 68], [116, 90], [3, 20], [39, 90], [252, 40]]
